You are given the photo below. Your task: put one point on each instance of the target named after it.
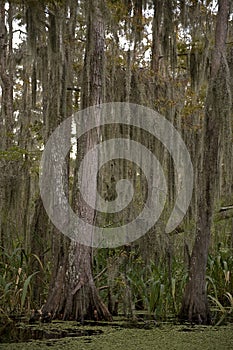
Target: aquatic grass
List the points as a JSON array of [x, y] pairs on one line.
[[159, 288], [224, 312], [219, 279], [15, 281]]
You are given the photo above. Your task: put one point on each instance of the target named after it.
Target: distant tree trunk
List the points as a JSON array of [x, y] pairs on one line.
[[73, 294], [7, 177], [156, 43], [218, 103]]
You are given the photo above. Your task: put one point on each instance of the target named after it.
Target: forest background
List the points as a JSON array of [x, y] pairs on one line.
[[176, 57]]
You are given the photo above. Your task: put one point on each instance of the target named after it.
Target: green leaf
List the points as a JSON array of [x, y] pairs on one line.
[[39, 261], [220, 308], [25, 288]]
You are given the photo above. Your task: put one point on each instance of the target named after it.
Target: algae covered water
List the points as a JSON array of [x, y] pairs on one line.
[[116, 336]]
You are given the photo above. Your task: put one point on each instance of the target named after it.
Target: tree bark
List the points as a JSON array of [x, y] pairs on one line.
[[6, 124], [73, 294], [195, 305]]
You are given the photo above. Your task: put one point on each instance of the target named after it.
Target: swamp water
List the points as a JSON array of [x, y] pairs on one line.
[[116, 335]]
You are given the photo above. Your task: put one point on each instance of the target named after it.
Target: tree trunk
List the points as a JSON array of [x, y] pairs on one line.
[[7, 177], [218, 103], [73, 294]]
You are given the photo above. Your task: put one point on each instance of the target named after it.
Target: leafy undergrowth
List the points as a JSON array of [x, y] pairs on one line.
[[120, 335]]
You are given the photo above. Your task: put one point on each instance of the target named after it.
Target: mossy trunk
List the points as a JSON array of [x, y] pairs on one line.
[[218, 103], [73, 294]]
